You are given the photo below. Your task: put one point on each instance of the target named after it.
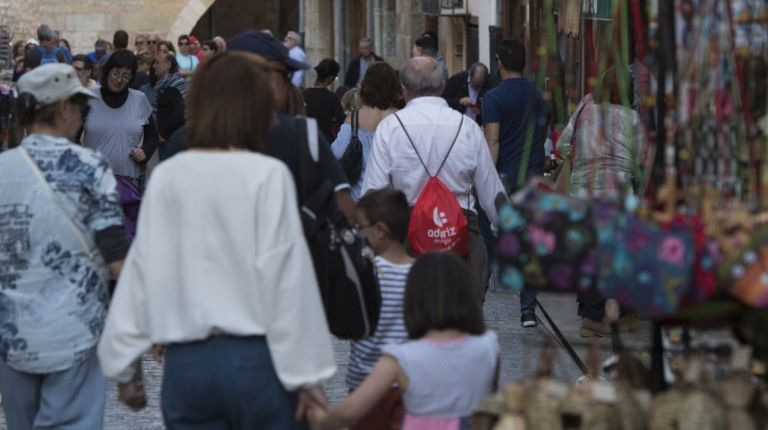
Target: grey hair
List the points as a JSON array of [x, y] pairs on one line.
[[422, 81], [44, 33], [367, 40]]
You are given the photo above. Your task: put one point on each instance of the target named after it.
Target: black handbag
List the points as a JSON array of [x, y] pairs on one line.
[[352, 159]]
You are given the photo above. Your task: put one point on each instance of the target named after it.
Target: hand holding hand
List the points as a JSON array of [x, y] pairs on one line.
[[158, 353], [316, 415], [310, 397], [133, 395]]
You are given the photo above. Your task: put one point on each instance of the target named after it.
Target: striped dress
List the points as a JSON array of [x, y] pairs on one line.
[[391, 329]]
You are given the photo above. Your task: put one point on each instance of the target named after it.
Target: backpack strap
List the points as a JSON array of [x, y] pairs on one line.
[[455, 138], [355, 123], [305, 130]]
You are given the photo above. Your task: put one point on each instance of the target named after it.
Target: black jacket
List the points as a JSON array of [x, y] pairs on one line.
[[353, 71], [458, 87], [170, 112]]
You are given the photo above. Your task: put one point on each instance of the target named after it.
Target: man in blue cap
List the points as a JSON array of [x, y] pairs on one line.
[[283, 143]]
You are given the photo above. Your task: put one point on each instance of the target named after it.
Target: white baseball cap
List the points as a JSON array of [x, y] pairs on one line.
[[51, 83]]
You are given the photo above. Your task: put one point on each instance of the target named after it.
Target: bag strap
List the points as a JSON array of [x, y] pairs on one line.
[[439, 169], [575, 129], [355, 123], [305, 130], [39, 175]]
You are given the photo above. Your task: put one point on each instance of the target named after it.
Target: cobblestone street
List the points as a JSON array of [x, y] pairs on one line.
[[520, 350]]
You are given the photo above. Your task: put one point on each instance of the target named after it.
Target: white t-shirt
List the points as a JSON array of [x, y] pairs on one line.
[[115, 132], [187, 63]]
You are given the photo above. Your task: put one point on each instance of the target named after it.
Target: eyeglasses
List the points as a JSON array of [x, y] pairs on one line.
[[114, 74]]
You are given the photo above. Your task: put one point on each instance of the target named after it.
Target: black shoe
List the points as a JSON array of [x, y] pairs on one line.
[[528, 320]]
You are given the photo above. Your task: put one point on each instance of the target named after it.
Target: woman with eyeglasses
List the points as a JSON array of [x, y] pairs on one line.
[[188, 62], [120, 126]]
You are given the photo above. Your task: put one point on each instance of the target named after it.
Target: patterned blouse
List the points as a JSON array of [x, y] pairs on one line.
[[53, 297], [609, 148]]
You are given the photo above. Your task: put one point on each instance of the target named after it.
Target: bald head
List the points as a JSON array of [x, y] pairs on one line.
[[421, 77]]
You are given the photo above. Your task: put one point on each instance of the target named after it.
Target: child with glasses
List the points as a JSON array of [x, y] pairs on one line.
[[383, 220]]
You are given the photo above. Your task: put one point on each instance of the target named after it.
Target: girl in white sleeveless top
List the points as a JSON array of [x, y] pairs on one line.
[[448, 367]]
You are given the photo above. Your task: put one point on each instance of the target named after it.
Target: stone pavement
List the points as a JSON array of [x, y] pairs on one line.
[[520, 350]]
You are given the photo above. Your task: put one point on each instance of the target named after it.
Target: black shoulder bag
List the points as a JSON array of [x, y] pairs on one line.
[[352, 159]]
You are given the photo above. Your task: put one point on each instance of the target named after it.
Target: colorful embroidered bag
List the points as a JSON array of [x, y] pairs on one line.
[[642, 266], [546, 241]]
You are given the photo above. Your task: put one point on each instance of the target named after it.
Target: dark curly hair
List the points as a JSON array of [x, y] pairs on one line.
[[381, 87]]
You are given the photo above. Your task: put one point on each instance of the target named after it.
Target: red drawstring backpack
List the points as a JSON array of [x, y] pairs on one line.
[[437, 221]]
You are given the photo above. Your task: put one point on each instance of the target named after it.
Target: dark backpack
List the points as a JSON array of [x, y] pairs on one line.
[[352, 159], [343, 261]]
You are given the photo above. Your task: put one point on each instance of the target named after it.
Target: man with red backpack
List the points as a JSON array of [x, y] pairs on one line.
[[439, 161]]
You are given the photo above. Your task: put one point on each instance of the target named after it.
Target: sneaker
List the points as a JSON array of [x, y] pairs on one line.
[[528, 320], [591, 328]]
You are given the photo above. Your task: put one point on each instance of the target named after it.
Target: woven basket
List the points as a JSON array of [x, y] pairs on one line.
[[490, 413], [541, 404], [664, 408], [580, 410], [687, 409], [631, 413], [511, 422], [700, 410], [737, 393]]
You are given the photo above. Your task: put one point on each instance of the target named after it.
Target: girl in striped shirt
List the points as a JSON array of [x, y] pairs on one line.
[[383, 219]]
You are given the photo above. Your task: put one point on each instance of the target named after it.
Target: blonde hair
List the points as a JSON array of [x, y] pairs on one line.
[[351, 101]]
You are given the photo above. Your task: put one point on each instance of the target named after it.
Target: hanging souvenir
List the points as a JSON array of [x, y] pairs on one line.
[[546, 241], [745, 275], [641, 265]]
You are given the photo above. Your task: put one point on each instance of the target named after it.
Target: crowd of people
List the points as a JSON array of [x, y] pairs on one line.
[[207, 263]]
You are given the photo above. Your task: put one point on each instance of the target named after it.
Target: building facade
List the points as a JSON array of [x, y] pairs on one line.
[[466, 29]]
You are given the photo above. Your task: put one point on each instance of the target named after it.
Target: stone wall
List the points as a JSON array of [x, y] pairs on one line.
[[81, 22]]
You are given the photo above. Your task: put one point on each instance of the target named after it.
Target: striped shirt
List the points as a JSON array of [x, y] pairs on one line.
[[391, 329]]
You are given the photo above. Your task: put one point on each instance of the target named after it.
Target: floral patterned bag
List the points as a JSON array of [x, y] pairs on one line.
[[642, 266], [546, 241]]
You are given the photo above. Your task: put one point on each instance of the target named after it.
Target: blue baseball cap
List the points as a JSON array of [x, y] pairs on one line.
[[263, 44]]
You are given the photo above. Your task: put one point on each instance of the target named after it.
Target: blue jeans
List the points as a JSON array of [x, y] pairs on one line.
[[527, 297], [71, 399], [225, 382]]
